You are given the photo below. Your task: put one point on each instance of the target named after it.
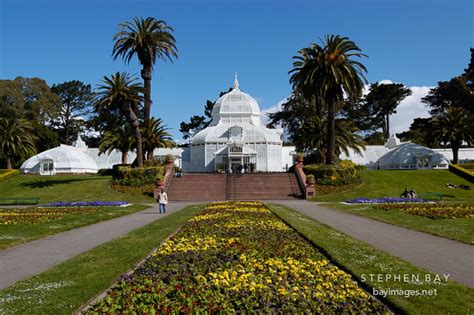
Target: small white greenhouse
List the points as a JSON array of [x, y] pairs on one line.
[[63, 159]]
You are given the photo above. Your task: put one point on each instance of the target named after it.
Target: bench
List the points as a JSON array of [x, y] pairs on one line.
[[19, 200]]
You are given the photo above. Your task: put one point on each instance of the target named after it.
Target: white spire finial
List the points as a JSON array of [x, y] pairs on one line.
[[236, 83]]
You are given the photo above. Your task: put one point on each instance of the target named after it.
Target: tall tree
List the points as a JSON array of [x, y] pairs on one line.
[[327, 73], [28, 98], [155, 136], [76, 102], [31, 99], [421, 132], [16, 139], [384, 99], [452, 93], [120, 138], [308, 131], [120, 91], [149, 39], [454, 126], [469, 72]]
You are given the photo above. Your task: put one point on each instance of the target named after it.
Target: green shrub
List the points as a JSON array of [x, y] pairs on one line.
[[134, 190], [139, 176], [361, 168], [148, 163], [343, 173], [106, 172]]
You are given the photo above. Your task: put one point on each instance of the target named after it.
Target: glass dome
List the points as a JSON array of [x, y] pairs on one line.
[[234, 106], [412, 156], [62, 159]]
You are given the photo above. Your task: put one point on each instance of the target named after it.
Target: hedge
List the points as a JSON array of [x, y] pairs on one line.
[[343, 173], [139, 176], [462, 171], [4, 174]]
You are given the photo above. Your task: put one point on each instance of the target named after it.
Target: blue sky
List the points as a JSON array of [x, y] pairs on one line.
[[414, 42]]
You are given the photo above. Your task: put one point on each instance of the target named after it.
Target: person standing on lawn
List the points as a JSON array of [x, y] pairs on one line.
[[162, 200]]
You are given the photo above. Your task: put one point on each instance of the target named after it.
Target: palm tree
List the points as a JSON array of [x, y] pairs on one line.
[[122, 92], [155, 136], [149, 39], [121, 138], [454, 126], [326, 73], [16, 139]]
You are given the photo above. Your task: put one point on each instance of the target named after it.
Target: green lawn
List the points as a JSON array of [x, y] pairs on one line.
[[65, 287], [392, 183], [13, 234], [66, 188], [360, 259]]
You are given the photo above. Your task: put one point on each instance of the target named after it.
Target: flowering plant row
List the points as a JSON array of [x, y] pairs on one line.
[[86, 204], [32, 216], [386, 200], [236, 257], [435, 211]]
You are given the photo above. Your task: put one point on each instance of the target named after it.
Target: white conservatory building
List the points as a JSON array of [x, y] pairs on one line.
[[63, 159], [236, 141]]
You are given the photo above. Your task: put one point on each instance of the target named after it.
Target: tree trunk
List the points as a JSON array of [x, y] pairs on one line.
[[149, 155], [146, 75], [138, 135], [124, 157], [455, 154], [8, 160], [387, 126], [331, 133]]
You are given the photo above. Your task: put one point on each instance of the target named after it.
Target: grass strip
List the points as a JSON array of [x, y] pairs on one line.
[[362, 260], [458, 229], [13, 234], [380, 183], [65, 287]]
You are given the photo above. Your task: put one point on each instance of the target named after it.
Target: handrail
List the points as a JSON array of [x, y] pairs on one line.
[[301, 177], [168, 176]]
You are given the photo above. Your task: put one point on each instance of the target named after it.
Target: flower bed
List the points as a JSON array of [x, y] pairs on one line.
[[86, 204], [236, 257], [386, 200], [31, 216], [435, 211]]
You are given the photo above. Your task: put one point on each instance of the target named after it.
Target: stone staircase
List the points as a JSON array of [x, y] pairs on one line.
[[214, 187]]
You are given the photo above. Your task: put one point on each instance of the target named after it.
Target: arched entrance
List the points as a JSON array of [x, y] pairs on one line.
[[235, 158]]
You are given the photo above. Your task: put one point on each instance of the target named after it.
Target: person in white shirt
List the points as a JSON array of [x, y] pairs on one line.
[[163, 200]]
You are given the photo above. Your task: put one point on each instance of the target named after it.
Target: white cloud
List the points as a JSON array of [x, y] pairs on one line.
[[408, 109], [273, 109]]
